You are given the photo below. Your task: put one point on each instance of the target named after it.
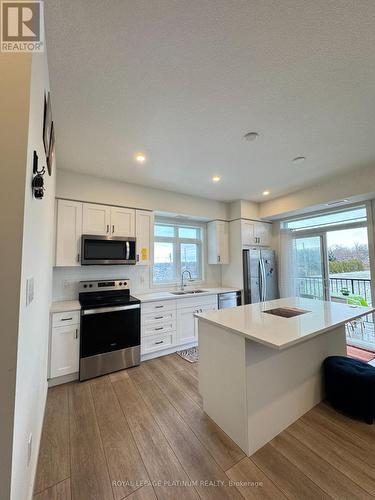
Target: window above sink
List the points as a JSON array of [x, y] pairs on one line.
[[177, 247]]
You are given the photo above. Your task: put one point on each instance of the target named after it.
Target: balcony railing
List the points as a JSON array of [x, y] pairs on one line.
[[358, 334], [313, 287]]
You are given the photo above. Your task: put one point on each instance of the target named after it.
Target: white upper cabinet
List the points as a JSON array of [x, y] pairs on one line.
[[218, 242], [76, 218], [256, 233], [108, 221], [144, 233], [247, 232], [263, 233], [96, 219], [68, 233], [122, 221]]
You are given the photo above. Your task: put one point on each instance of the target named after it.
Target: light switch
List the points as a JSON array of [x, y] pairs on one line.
[[29, 290]]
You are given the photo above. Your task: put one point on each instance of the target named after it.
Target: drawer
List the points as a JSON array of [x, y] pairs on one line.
[[157, 343], [158, 328], [66, 318], [161, 305], [197, 302], [158, 317]]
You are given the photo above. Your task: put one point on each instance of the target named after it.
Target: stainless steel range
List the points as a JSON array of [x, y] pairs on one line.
[[110, 327]]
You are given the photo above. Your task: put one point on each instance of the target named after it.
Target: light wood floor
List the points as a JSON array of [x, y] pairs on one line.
[[141, 434]]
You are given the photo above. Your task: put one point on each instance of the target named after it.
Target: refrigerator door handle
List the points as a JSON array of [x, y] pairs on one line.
[[260, 280], [264, 280], [246, 288], [264, 284]]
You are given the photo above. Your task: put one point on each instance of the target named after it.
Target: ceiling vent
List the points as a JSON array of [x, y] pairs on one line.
[[339, 202]]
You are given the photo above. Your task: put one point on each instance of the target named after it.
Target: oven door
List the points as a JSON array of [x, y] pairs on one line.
[[109, 329], [107, 250]]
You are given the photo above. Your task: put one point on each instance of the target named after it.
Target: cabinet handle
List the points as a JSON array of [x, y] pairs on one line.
[[158, 307], [66, 319], [218, 258], [158, 317], [107, 228], [160, 328], [78, 257], [113, 229], [160, 342], [76, 333]]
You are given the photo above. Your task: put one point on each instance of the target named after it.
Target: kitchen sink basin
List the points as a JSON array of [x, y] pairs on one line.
[[188, 292]]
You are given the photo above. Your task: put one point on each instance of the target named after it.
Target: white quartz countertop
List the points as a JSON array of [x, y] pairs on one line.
[[65, 305], [278, 332], [74, 305], [165, 295]]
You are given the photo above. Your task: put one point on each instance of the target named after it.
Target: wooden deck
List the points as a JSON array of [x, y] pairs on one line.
[[141, 434]]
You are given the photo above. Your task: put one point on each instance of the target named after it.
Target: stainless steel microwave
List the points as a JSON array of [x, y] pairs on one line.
[[107, 250]]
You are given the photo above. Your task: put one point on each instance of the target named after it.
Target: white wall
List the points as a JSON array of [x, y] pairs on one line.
[[358, 185], [97, 190], [37, 244], [15, 73], [75, 186]]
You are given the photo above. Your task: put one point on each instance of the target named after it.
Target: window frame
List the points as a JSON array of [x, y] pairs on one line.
[[177, 248]]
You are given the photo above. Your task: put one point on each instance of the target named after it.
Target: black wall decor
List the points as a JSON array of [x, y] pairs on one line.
[[38, 181]]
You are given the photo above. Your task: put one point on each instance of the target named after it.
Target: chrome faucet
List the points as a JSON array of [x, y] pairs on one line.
[[182, 279]]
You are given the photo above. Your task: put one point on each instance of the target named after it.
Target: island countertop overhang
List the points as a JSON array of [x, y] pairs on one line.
[[253, 323]]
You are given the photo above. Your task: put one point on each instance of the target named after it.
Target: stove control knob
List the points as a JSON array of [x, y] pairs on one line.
[[125, 283], [90, 286], [84, 286], [120, 283]]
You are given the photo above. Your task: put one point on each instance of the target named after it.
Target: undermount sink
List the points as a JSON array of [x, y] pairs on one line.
[[188, 292]]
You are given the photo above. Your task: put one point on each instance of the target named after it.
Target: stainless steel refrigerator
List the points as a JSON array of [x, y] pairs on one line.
[[260, 275]]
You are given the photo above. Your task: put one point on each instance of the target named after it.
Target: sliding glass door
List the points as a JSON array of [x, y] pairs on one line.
[[310, 267]]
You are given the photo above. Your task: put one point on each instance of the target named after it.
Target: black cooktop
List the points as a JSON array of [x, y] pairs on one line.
[[92, 300]]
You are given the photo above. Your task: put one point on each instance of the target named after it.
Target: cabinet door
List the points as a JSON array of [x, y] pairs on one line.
[[96, 219], [144, 233], [203, 308], [218, 242], [263, 232], [122, 221], [64, 350], [223, 242], [186, 329], [68, 233], [248, 233]]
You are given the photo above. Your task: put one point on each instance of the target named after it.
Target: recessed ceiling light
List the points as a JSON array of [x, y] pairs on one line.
[[299, 159], [140, 158], [216, 178], [266, 193], [251, 136]]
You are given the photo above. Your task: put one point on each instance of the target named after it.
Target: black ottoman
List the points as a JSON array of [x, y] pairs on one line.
[[350, 386]]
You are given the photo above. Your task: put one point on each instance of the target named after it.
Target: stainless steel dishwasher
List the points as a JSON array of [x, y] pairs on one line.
[[229, 299]]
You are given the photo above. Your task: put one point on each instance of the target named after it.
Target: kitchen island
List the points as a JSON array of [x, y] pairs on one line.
[[260, 365]]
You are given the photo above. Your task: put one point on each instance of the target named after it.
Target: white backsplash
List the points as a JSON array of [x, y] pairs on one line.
[[66, 279]]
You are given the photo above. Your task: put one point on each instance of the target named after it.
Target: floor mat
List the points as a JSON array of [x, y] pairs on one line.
[[191, 355]]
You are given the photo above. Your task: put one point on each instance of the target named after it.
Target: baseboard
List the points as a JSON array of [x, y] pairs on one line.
[[165, 352], [63, 380], [33, 475]]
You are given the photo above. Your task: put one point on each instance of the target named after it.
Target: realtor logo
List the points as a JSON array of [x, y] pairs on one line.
[[22, 26]]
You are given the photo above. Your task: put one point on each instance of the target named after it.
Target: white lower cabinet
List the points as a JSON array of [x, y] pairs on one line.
[[186, 331], [174, 324], [64, 352]]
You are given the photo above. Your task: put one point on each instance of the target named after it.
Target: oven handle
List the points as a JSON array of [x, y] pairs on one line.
[[109, 309]]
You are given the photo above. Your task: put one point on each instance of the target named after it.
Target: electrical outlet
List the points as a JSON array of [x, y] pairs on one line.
[[29, 290], [29, 448]]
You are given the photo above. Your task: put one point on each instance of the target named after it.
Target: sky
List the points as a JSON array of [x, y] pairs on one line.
[[347, 237]]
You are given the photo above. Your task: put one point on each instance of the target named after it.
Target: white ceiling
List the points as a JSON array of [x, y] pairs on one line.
[[184, 80]]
